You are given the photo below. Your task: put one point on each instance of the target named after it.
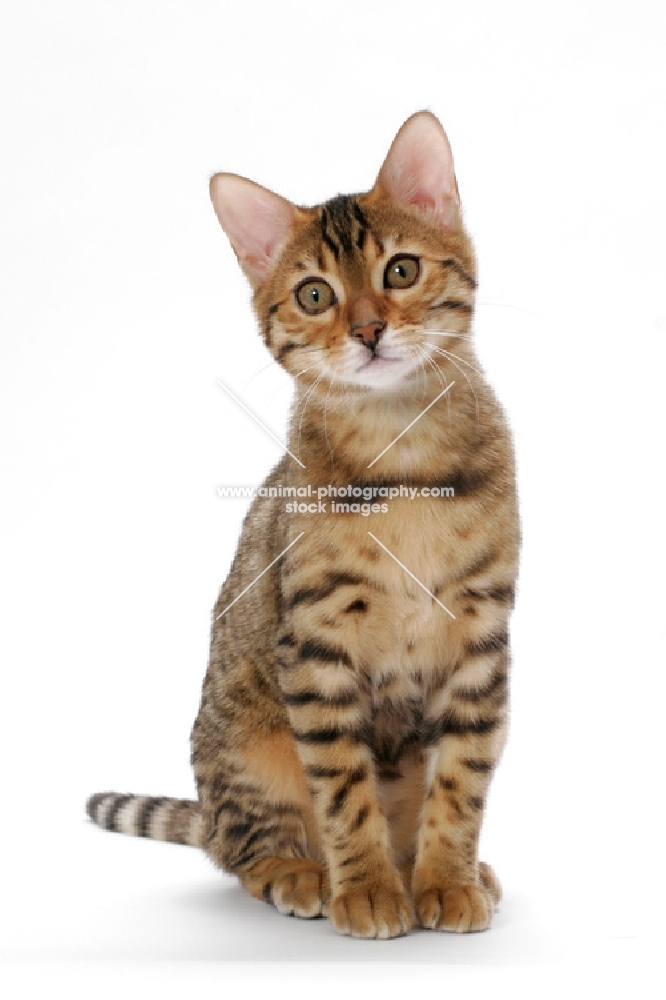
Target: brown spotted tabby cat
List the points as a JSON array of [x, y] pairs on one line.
[[355, 703]]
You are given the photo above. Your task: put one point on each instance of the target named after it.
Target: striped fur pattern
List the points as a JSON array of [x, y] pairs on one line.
[[156, 817], [349, 724]]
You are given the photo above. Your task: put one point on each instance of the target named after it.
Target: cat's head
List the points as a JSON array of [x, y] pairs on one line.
[[351, 289]]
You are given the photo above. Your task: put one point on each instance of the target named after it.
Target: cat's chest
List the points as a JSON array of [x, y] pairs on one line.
[[415, 553]]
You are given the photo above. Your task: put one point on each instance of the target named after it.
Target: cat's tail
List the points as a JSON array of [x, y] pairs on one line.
[[176, 820]]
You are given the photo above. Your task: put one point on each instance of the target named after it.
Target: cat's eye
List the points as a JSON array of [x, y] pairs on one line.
[[401, 272], [315, 296]]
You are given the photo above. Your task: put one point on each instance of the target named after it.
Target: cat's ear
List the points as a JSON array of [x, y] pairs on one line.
[[418, 170], [256, 221]]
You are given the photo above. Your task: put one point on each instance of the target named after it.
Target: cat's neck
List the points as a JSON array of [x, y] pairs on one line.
[[416, 434]]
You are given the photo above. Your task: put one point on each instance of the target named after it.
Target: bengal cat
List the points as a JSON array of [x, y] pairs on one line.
[[355, 703]]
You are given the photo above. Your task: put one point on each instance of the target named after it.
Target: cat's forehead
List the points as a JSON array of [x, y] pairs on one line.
[[344, 225], [336, 233], [348, 230]]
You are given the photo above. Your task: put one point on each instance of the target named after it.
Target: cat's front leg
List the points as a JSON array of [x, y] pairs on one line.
[[327, 707], [464, 733]]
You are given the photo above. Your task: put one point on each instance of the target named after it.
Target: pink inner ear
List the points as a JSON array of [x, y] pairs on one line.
[[256, 221], [424, 201], [418, 170]]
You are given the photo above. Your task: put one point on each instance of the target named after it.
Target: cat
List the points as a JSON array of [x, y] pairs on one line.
[[355, 703]]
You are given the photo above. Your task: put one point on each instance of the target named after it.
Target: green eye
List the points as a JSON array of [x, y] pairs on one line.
[[315, 296], [401, 272]]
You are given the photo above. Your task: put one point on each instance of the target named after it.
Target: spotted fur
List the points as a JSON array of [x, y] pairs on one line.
[[349, 724]]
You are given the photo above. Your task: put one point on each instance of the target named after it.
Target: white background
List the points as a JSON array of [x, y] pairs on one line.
[[121, 304]]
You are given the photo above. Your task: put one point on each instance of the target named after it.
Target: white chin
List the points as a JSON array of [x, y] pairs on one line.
[[380, 373]]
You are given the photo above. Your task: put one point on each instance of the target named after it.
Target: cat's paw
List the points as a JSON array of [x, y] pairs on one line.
[[460, 908], [372, 913], [296, 886], [300, 893]]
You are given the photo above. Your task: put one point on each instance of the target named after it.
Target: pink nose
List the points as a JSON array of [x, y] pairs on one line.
[[369, 333]]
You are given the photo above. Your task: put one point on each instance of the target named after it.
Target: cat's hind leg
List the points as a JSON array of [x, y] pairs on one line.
[[490, 881], [259, 825]]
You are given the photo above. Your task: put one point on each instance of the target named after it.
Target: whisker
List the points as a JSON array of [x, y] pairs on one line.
[[272, 396], [449, 333], [304, 370], [265, 367], [305, 406], [462, 372], [425, 375], [505, 305], [414, 352], [461, 360], [432, 365], [443, 381], [304, 350], [330, 450]]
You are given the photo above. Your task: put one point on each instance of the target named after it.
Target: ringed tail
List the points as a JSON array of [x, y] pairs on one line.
[[178, 821]]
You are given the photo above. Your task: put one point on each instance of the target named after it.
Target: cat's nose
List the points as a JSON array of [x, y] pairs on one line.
[[368, 333]]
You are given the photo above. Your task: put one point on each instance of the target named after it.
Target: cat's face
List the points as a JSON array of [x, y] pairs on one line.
[[351, 290]]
